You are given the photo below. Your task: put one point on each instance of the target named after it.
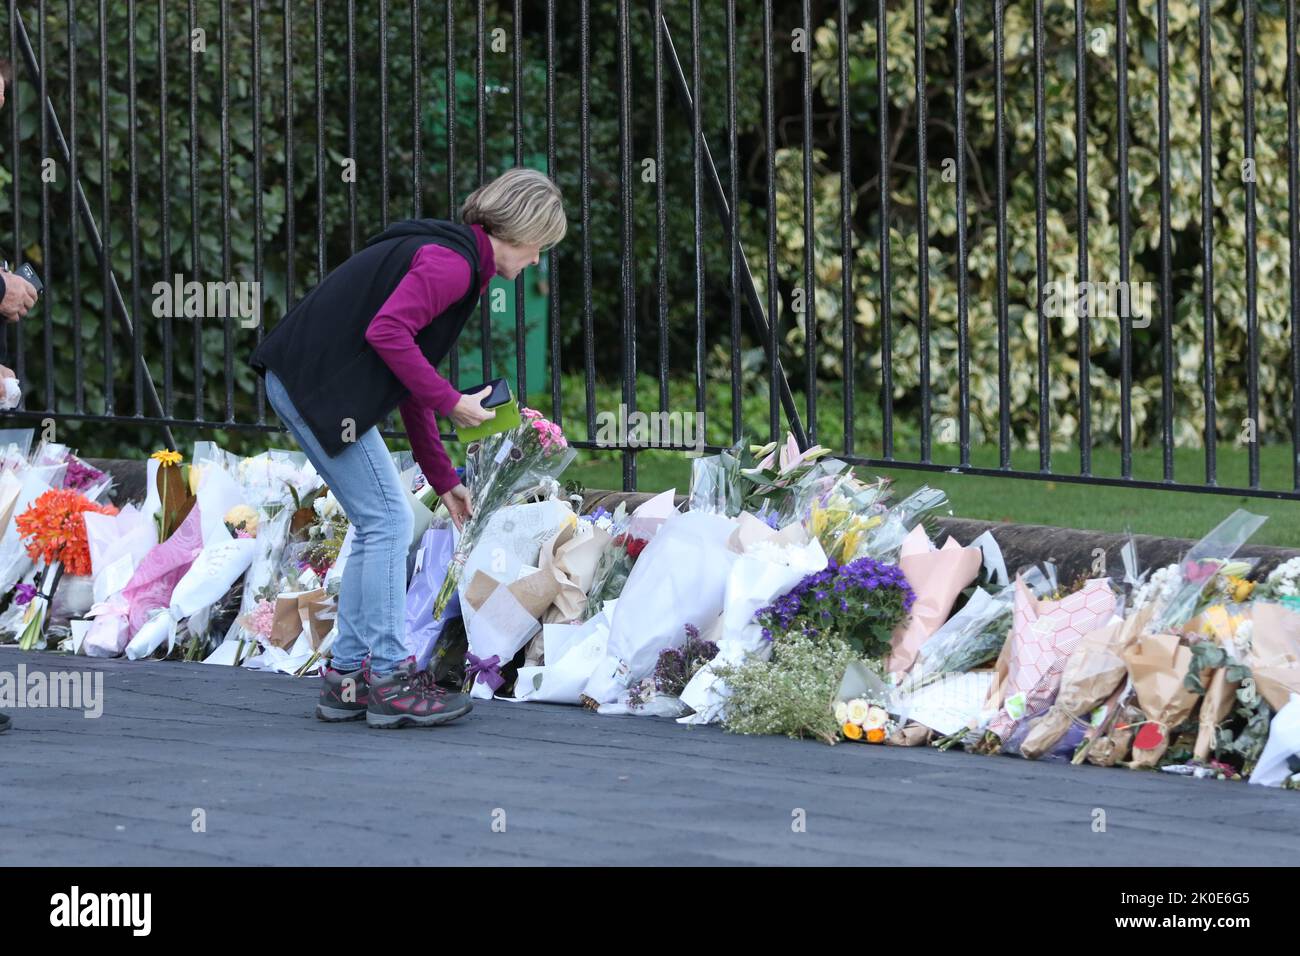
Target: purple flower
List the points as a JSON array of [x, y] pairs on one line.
[[80, 476], [23, 594]]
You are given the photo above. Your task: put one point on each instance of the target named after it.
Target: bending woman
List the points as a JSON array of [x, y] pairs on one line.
[[363, 342]]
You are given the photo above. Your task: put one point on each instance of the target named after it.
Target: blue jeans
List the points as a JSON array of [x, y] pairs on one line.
[[372, 596]]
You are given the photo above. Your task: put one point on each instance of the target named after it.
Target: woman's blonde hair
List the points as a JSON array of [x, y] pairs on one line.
[[521, 206]]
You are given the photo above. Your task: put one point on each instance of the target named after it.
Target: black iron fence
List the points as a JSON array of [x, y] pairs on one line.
[[972, 230]]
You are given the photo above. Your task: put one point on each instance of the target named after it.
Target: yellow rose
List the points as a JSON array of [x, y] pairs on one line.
[[876, 735], [196, 474], [852, 731]]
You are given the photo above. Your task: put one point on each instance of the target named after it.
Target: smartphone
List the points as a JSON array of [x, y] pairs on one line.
[[28, 273], [500, 394]]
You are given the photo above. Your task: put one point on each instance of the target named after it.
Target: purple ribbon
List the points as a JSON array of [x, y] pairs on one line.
[[485, 670]]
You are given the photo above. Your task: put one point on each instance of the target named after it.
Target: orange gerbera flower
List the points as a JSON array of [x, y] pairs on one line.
[[876, 736], [851, 730], [56, 531]]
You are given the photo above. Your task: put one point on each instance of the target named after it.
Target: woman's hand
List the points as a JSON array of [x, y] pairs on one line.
[[469, 411], [458, 503]]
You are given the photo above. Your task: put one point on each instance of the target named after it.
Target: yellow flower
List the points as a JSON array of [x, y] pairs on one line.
[[876, 735], [196, 474], [851, 731], [1240, 588], [242, 515], [167, 458]]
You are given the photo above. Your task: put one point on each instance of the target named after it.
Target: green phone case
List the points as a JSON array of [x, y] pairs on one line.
[[507, 417]]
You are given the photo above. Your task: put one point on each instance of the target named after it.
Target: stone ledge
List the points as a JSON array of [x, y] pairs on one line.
[[1070, 549]]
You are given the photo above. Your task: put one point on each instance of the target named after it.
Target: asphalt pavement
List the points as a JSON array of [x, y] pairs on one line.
[[193, 764]]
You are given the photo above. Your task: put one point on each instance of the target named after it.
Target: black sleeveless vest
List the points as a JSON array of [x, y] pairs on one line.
[[337, 382]]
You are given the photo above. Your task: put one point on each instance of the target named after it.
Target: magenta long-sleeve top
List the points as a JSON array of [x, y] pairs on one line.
[[438, 278]]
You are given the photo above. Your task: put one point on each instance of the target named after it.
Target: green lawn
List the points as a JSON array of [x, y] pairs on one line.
[[1066, 504]]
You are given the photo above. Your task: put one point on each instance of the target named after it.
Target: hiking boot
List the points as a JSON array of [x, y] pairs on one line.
[[344, 696], [409, 698]]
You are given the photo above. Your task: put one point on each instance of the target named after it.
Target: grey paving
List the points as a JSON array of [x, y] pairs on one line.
[[277, 786]]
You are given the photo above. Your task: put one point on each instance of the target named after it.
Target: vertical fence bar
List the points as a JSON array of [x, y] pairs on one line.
[[1126, 328], [922, 231], [105, 264], [480, 146], [584, 166], [352, 123], [453, 365], [661, 210], [1207, 249], [769, 156], [16, 172], [1081, 203], [74, 245], [1166, 292], [1040, 232], [963, 311], [289, 284], [1293, 219], [553, 260], [137, 344], [846, 230], [196, 327], [626, 212], [697, 217], [886, 287], [228, 330], [521, 344], [1000, 134], [417, 159], [320, 145], [809, 260], [733, 224], [259, 387], [45, 211], [1252, 311], [383, 111]]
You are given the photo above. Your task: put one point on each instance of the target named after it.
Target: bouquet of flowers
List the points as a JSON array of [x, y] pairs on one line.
[[500, 469], [864, 719], [661, 692], [860, 602], [780, 473], [1282, 584], [55, 531]]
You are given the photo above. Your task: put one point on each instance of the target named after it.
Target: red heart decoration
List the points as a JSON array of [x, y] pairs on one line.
[[1149, 737]]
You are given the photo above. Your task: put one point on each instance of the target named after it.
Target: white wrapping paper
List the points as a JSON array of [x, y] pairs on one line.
[[217, 567], [757, 578], [679, 579]]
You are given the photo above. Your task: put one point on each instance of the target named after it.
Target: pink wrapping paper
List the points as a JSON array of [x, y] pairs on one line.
[[938, 577], [154, 580], [1043, 635]]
